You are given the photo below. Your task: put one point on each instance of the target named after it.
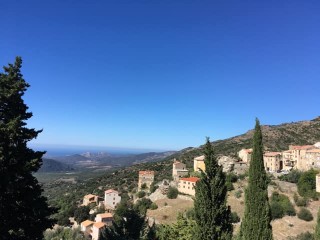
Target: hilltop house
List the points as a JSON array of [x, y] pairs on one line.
[[198, 163], [178, 170], [90, 198], [97, 229], [111, 199], [245, 155], [186, 185], [146, 178], [272, 161], [106, 218]]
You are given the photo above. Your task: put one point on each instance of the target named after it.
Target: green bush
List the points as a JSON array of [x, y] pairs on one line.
[[238, 193], [305, 214], [276, 210], [280, 206], [303, 236], [307, 184], [234, 217], [229, 186], [141, 194], [300, 202], [292, 176], [172, 193], [153, 206]]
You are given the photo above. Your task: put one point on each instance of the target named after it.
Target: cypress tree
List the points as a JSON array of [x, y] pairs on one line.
[[24, 212], [213, 217], [257, 216]]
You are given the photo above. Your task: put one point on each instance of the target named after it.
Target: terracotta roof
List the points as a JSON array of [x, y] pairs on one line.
[[86, 223], [111, 191], [105, 215], [304, 147], [313, 150], [89, 196], [272, 154], [200, 158], [190, 179], [99, 224], [146, 172]]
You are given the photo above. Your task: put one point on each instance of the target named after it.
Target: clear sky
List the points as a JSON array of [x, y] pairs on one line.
[[163, 74]]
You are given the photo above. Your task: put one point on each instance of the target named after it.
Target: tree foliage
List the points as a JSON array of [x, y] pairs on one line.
[[317, 230], [257, 215], [183, 229], [281, 206], [307, 184], [213, 217], [23, 210], [172, 193]]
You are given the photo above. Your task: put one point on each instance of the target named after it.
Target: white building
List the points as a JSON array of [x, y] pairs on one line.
[[111, 198]]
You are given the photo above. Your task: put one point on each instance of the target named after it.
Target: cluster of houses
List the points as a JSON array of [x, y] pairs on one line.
[[301, 158], [109, 202]]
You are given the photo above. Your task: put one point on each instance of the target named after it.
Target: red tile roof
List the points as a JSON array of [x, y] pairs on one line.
[[190, 179], [146, 172], [111, 191], [86, 223], [305, 147], [99, 224]]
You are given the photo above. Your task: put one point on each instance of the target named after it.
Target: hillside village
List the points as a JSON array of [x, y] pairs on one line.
[[301, 158]]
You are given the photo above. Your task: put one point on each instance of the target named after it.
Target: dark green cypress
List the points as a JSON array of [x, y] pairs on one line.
[[213, 217], [257, 216], [23, 210]]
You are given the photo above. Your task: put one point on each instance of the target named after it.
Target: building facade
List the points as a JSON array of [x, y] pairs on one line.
[[146, 178], [273, 161], [198, 163], [111, 199], [245, 155], [187, 185], [179, 170]]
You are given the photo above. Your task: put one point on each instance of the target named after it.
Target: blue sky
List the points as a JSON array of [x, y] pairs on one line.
[[162, 74]]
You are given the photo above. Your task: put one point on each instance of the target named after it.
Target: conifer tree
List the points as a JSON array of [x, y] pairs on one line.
[[212, 216], [24, 212], [257, 216]]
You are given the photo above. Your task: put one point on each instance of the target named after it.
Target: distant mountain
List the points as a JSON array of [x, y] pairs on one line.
[[275, 138], [50, 165], [90, 160]]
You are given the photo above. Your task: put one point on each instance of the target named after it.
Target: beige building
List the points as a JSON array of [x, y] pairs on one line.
[[96, 230], [178, 170], [312, 158], [299, 156], [86, 227], [147, 178], [106, 218], [187, 185], [198, 163], [272, 161], [288, 161], [111, 199], [90, 198], [318, 183], [245, 155]]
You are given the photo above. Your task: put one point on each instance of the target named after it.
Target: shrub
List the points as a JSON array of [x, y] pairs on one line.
[[238, 194], [303, 236], [229, 186], [307, 184], [292, 176], [300, 202], [280, 206], [153, 187], [305, 214], [153, 206], [234, 217], [276, 210], [172, 193], [141, 194]]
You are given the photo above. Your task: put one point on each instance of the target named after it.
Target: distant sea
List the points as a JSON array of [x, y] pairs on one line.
[[59, 151]]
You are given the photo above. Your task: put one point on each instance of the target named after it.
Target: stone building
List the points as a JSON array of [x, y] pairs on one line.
[[198, 163], [146, 178], [178, 170], [245, 155], [272, 161]]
